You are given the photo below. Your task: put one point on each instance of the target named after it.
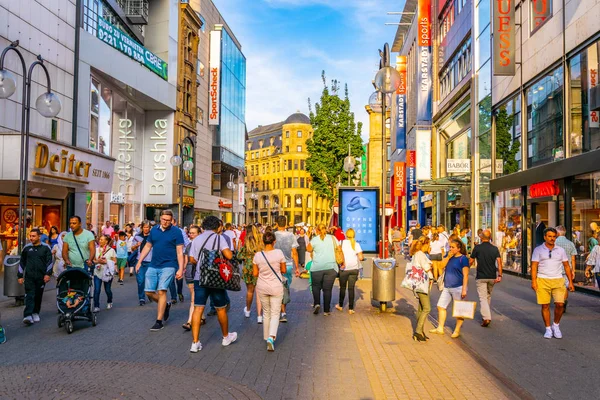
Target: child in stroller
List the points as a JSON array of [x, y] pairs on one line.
[[73, 298]]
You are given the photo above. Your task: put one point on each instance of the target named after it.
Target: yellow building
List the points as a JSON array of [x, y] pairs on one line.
[[374, 147], [277, 182], [185, 115]]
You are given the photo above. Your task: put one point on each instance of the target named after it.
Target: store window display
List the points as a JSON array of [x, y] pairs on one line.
[[509, 231]]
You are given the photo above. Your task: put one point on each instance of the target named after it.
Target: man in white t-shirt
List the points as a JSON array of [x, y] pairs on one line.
[[444, 238], [547, 263], [232, 235]]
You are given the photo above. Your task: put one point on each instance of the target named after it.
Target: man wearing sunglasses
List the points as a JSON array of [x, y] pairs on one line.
[[547, 263]]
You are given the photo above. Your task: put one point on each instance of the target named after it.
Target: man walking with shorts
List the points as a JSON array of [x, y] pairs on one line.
[[547, 263], [487, 256], [167, 257]]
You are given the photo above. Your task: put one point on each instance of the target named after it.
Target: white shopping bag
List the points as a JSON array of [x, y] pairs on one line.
[[464, 309]]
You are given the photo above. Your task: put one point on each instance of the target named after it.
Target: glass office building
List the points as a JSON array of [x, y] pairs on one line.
[[231, 133]]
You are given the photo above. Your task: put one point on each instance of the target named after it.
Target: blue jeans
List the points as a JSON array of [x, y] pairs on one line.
[[140, 277], [98, 287]]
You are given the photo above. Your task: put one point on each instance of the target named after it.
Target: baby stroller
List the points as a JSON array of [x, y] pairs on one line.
[[74, 298]]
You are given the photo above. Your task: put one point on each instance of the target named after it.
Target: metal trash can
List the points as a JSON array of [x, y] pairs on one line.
[[11, 282], [384, 281]]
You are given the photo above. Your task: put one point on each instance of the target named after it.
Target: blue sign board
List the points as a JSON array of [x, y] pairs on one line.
[[400, 121], [359, 210], [424, 88]]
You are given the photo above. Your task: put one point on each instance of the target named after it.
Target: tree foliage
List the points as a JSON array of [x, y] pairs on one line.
[[506, 148], [334, 129]]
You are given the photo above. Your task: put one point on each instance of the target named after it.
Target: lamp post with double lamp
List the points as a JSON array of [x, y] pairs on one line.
[[187, 165], [231, 185], [254, 197], [387, 81], [47, 104]]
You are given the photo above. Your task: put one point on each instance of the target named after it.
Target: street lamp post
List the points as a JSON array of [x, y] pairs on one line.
[[187, 165], [254, 197], [387, 81], [267, 203], [232, 186], [47, 104]]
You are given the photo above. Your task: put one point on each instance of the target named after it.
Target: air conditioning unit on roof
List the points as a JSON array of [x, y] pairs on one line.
[[137, 12]]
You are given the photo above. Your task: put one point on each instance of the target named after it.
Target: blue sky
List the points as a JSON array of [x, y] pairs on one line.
[[288, 43]]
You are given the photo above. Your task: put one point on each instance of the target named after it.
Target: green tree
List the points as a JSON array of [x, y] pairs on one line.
[[506, 147], [334, 129]]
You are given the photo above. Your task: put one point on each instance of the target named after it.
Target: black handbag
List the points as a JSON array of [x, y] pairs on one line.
[[216, 272]]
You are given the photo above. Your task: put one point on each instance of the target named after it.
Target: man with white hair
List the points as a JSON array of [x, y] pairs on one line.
[[488, 258], [571, 250]]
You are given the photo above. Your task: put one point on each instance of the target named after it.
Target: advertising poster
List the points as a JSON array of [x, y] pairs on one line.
[[359, 210], [214, 89]]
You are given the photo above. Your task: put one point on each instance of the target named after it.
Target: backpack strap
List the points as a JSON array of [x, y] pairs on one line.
[[202, 248]]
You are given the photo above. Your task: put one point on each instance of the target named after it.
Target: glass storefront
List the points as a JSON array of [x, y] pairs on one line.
[[509, 231], [545, 119], [508, 136], [586, 221]]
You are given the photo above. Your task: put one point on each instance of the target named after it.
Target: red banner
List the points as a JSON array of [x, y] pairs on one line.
[[411, 158], [401, 68], [544, 189], [399, 179], [424, 19]]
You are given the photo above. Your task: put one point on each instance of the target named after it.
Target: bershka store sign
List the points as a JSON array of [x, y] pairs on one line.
[[424, 19], [504, 37], [214, 88], [541, 11]]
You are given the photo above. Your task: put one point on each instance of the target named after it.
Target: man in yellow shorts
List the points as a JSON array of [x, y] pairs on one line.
[[547, 263]]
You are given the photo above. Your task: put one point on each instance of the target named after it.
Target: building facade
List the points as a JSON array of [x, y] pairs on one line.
[[276, 178], [547, 132], [221, 118]]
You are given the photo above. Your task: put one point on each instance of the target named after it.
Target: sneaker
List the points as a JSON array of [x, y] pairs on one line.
[[259, 319], [181, 298], [109, 306], [167, 310], [283, 317], [28, 320], [96, 309], [173, 301], [316, 309], [230, 338], [327, 314], [121, 282], [2, 335], [556, 331], [350, 312], [196, 347], [246, 312], [142, 302], [338, 307], [548, 333], [157, 327], [270, 344], [36, 317]]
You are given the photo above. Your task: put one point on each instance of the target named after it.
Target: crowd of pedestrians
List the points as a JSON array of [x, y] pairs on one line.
[[164, 256]]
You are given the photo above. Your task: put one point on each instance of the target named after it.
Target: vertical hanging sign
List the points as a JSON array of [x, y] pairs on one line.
[[411, 183], [504, 37], [214, 78], [424, 60], [399, 179], [541, 11], [592, 81], [401, 104], [423, 161]]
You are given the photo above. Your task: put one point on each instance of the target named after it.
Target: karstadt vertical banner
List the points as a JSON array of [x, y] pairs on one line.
[[411, 182], [424, 19], [401, 104], [504, 37], [424, 87]]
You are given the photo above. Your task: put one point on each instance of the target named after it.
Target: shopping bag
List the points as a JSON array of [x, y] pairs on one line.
[[416, 278], [464, 309]]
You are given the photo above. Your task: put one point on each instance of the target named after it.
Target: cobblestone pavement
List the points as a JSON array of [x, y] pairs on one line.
[[367, 355]]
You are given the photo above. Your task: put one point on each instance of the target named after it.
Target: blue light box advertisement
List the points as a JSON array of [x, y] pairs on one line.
[[358, 209]]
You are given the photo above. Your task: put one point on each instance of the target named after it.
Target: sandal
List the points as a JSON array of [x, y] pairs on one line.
[[187, 326], [436, 331]]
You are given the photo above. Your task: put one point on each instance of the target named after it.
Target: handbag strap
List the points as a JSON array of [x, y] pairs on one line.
[[202, 248], [269, 264], [78, 248]]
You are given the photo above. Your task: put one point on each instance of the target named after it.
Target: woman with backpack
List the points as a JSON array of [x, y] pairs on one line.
[[456, 277], [353, 255], [269, 266]]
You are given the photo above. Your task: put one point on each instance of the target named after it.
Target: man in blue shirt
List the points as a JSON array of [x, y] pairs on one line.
[[167, 257]]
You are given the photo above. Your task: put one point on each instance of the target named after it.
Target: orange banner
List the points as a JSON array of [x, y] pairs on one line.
[[424, 20], [401, 68], [399, 179]]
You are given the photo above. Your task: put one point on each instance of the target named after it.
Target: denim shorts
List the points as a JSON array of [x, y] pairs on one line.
[[218, 297], [447, 295], [158, 278]]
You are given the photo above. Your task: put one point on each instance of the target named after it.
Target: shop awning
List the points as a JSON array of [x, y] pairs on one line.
[[445, 183]]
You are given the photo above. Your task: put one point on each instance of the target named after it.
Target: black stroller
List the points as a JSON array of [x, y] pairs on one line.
[[74, 298]]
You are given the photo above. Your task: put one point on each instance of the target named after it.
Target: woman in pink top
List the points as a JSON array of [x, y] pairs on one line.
[[269, 267]]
